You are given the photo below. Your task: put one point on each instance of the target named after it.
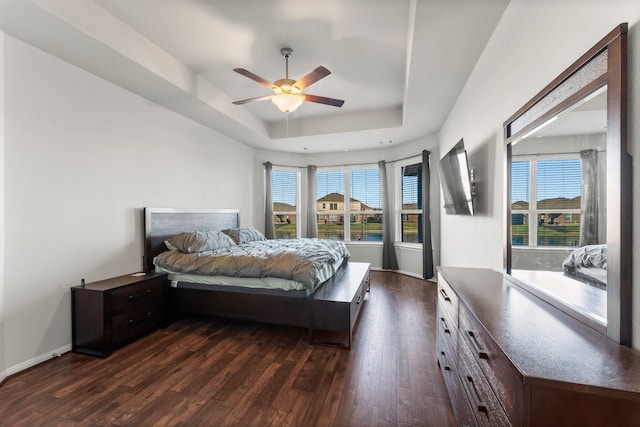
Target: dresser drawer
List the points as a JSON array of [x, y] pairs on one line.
[[484, 403], [494, 364], [459, 401], [447, 358], [130, 297], [446, 330], [448, 300]]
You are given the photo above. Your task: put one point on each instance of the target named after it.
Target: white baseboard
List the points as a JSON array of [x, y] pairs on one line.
[[36, 360]]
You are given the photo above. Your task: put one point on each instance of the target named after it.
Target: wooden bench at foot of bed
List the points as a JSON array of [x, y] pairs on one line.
[[336, 305]]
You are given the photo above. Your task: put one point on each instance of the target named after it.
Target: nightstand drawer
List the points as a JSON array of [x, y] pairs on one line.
[[135, 323], [152, 292]]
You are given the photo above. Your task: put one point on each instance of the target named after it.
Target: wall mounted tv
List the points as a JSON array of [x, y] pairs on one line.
[[456, 181]]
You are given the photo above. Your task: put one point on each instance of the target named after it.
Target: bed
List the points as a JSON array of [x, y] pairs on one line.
[[268, 304], [588, 264]]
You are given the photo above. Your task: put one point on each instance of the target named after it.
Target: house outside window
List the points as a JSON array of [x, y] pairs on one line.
[[547, 189], [352, 193], [285, 190]]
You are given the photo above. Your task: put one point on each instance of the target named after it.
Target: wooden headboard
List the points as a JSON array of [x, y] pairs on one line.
[[161, 224]]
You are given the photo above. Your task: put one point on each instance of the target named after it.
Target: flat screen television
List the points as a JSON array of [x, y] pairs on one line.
[[455, 179]]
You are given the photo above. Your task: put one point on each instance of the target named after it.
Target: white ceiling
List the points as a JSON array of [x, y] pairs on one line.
[[398, 64]]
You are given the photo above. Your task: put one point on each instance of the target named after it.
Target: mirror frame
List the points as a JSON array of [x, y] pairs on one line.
[[619, 174]]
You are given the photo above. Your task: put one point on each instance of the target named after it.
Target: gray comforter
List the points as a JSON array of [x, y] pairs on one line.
[[293, 259]]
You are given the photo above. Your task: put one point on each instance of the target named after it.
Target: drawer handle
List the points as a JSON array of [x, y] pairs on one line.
[[446, 362], [444, 295], [142, 295], [482, 354], [139, 319], [359, 299], [481, 407], [446, 328]]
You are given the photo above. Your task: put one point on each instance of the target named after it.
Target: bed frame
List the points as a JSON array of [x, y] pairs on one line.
[[334, 306]]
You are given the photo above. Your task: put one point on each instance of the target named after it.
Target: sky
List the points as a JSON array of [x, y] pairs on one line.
[[364, 186]]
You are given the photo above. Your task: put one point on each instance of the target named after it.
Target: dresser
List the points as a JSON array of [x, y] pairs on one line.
[[511, 359], [111, 313]]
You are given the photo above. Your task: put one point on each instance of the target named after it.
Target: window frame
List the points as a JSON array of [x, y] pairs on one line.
[[298, 210], [533, 211], [347, 212], [398, 209]]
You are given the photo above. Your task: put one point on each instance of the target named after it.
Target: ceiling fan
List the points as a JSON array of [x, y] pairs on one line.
[[287, 93]]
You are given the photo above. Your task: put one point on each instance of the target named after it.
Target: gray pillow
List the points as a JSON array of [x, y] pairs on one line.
[[242, 235], [199, 241]]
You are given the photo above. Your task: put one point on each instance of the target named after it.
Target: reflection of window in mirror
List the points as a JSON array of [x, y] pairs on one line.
[[558, 207]]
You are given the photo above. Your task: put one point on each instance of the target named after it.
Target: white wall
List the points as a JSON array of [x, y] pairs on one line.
[[533, 43], [2, 281], [409, 257], [82, 157]]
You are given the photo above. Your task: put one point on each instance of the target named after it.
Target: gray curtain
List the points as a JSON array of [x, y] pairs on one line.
[[312, 223], [427, 249], [589, 199], [389, 260], [269, 231]]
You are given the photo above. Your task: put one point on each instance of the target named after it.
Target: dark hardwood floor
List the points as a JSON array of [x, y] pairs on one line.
[[212, 372]]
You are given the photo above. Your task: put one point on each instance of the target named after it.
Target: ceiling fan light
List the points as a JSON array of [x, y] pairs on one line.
[[287, 102]]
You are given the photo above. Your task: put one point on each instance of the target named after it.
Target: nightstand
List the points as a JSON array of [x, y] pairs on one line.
[[111, 313]]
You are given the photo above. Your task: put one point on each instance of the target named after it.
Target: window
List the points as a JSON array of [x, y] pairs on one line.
[[365, 207], [549, 191], [352, 194], [411, 200], [285, 191]]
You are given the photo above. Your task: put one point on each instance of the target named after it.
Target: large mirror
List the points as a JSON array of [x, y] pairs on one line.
[[568, 196]]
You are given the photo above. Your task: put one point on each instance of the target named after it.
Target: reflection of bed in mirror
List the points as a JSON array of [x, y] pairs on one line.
[[588, 264]]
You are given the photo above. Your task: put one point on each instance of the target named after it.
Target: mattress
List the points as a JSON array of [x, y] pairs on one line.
[[276, 283]]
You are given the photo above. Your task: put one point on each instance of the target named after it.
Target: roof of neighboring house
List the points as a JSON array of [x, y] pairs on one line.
[[560, 203], [332, 197], [283, 207], [554, 203], [337, 197]]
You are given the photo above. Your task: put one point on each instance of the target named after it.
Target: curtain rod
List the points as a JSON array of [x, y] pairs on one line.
[[349, 164], [559, 153]]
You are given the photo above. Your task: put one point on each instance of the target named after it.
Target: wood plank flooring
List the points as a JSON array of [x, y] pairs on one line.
[[215, 372]]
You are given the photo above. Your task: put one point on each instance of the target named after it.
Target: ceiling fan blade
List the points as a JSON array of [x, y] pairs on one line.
[[323, 100], [254, 77], [317, 74], [246, 101]]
